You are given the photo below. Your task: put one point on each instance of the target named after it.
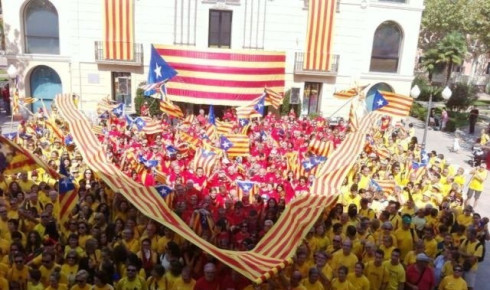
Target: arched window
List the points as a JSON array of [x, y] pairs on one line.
[[41, 28], [386, 48]]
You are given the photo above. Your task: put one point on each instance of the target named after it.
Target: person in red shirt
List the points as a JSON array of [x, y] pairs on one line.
[[419, 275], [209, 280]]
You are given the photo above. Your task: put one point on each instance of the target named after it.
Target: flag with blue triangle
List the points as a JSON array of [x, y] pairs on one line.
[[163, 190], [379, 101], [140, 123], [225, 143], [260, 106], [148, 163], [159, 72], [119, 110]]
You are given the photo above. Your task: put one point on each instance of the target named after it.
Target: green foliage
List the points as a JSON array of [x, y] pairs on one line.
[[140, 98], [450, 125], [463, 96], [286, 105], [418, 111]]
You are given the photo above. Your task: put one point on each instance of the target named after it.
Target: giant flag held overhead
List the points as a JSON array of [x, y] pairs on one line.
[[159, 73]]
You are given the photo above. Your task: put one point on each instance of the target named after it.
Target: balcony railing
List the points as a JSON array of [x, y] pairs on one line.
[[135, 56], [299, 66], [222, 2]]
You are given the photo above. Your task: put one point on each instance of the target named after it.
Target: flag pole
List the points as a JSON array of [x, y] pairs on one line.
[[341, 107]]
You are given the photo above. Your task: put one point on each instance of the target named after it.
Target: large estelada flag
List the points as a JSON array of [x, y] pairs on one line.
[[319, 37], [118, 29], [222, 77], [398, 105]]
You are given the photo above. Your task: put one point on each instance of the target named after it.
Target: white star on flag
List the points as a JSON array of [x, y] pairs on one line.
[[4, 149], [308, 165], [158, 71], [66, 182], [227, 145], [246, 187], [380, 102]]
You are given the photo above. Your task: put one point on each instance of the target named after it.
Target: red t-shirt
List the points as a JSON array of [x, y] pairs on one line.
[[203, 284], [426, 281]]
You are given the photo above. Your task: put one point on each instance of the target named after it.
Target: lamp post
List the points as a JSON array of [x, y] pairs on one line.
[[446, 94], [12, 73]]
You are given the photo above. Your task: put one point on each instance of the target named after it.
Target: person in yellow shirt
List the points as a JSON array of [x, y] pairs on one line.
[[100, 281], [35, 280], [131, 280], [376, 273], [430, 242], [19, 272], [156, 280], [471, 250], [484, 137], [454, 281], [81, 281], [341, 282], [465, 218], [358, 280], [54, 281], [326, 272], [344, 258], [476, 184], [396, 271], [185, 282], [405, 236], [313, 282]]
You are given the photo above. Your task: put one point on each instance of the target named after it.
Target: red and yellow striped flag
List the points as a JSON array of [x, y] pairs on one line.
[[319, 147], [350, 93], [171, 109], [272, 98], [192, 141], [28, 101], [206, 159], [319, 37], [353, 121], [118, 29], [272, 253], [152, 126], [398, 105], [240, 146], [223, 127]]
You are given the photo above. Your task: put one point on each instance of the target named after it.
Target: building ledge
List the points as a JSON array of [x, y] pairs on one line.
[[299, 66]]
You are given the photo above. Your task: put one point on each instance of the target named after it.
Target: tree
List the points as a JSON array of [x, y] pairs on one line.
[[471, 18], [447, 52], [452, 49]]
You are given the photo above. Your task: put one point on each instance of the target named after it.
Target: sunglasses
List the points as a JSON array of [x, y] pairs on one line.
[[131, 270]]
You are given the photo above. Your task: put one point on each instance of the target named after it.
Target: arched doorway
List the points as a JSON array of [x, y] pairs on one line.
[[45, 85], [370, 94]]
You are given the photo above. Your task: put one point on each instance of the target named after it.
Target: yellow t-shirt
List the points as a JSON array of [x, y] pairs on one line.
[[472, 248], [137, 283], [396, 275], [339, 259], [452, 283], [86, 287], [315, 286], [377, 276], [156, 284], [431, 248], [360, 283], [478, 179], [346, 285], [31, 286], [179, 284], [21, 276], [405, 240]]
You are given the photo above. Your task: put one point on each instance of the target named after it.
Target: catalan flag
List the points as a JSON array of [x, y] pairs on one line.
[[68, 197], [349, 93], [14, 159], [151, 126], [240, 145], [272, 98], [192, 141], [118, 29], [321, 147], [219, 77], [105, 105], [320, 35], [28, 101], [246, 187], [272, 253], [353, 121], [254, 109], [206, 159], [223, 127], [386, 186], [169, 108], [398, 105]]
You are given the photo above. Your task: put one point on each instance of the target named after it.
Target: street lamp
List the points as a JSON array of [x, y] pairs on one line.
[[12, 73], [446, 94]]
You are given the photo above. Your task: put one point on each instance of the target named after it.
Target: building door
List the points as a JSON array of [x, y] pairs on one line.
[[311, 98], [45, 85]]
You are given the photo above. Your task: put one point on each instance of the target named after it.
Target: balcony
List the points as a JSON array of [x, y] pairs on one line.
[[135, 57], [222, 2], [299, 68]]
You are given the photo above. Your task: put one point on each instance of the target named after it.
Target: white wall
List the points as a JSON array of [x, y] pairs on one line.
[[81, 24]]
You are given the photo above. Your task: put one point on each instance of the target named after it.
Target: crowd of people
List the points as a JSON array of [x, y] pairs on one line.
[[415, 233]]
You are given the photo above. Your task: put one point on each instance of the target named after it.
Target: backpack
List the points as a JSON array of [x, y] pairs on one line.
[[482, 258]]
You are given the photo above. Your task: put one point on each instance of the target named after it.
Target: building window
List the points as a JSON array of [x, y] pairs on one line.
[[311, 98], [121, 87], [41, 28], [386, 48], [220, 28]]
